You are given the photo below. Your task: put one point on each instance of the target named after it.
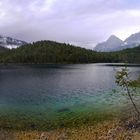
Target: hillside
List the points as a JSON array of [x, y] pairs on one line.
[[53, 52], [131, 55], [47, 52], [9, 42], [3, 49]]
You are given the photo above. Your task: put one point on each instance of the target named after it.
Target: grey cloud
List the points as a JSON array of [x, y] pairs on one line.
[[68, 20]]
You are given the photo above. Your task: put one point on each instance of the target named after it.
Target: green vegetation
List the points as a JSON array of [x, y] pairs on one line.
[[53, 52], [3, 49], [122, 79], [135, 83], [26, 121]]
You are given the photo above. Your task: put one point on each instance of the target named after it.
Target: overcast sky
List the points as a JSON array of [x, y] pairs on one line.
[[81, 21]]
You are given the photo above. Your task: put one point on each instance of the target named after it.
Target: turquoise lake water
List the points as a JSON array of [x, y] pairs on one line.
[[49, 96]]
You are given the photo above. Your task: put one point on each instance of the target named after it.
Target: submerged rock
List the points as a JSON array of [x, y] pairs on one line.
[[63, 110]]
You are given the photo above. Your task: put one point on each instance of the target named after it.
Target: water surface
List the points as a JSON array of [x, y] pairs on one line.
[[49, 96]]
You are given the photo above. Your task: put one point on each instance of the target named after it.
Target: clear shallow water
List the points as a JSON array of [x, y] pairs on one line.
[[47, 96]]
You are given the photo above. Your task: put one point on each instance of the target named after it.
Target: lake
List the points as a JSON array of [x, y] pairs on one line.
[[49, 96]]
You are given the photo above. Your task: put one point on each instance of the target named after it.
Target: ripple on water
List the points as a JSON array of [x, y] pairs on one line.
[[53, 96]]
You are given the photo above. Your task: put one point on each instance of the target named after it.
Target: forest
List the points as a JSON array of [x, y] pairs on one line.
[[54, 52]]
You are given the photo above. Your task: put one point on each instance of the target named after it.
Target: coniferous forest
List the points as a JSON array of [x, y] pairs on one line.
[[53, 52]]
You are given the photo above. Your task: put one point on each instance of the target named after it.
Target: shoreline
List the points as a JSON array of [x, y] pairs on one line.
[[108, 130]]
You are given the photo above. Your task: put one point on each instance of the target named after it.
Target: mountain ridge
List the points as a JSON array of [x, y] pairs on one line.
[[9, 42], [49, 52], [107, 46]]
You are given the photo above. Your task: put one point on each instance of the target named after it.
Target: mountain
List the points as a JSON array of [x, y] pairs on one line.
[[3, 49], [115, 44], [131, 42], [48, 52], [130, 55], [54, 52], [133, 39], [111, 44], [9, 42]]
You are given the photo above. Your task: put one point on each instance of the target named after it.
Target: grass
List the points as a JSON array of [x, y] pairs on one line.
[[107, 130], [63, 121], [104, 127]]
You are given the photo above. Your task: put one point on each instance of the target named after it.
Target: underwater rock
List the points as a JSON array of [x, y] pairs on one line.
[[63, 110]]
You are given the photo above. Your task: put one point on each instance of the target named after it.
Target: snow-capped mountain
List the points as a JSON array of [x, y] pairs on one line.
[[116, 44], [111, 44], [9, 42]]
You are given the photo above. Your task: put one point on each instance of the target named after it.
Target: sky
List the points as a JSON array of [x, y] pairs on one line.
[[83, 22]]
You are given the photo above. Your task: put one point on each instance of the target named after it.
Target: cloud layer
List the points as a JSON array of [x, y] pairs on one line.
[[84, 21]]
